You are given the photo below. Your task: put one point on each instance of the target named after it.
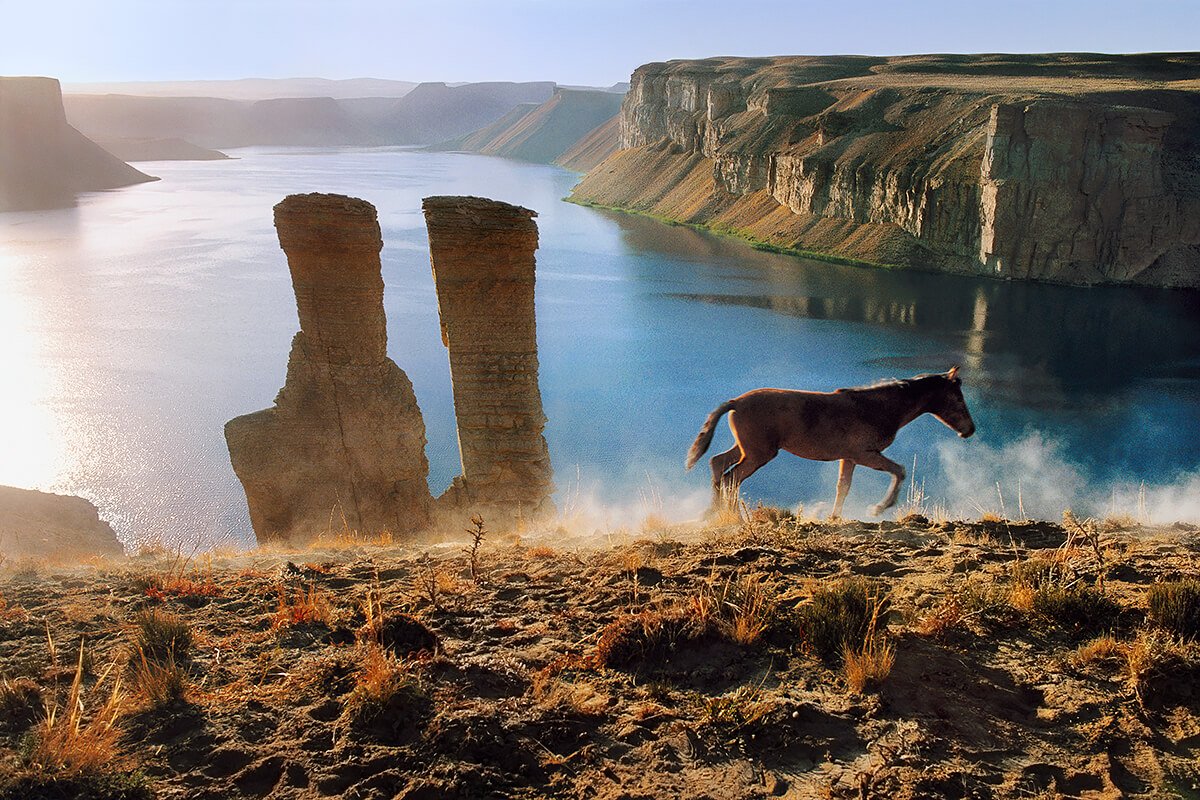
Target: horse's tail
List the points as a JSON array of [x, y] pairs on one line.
[[704, 438]]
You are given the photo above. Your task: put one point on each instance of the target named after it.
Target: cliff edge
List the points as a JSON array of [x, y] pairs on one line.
[[1071, 168], [44, 162]]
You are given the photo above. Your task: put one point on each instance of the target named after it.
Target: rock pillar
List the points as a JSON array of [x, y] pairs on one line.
[[343, 448], [483, 265]]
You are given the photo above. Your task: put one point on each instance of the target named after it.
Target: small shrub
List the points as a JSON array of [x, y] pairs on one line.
[[116, 785], [162, 645], [1175, 607], [162, 636], [1102, 649], [477, 534], [733, 714], [21, 703], [387, 697], [839, 617], [1161, 670], [1076, 609], [649, 637]]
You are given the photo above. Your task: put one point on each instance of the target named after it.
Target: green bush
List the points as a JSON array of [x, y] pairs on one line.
[[1175, 607], [86, 786], [1076, 609], [844, 615], [162, 636]]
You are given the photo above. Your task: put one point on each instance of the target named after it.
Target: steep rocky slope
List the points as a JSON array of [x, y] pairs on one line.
[[44, 162], [1075, 168], [543, 133]]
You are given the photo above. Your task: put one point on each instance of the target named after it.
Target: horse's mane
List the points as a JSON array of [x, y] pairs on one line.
[[893, 383]]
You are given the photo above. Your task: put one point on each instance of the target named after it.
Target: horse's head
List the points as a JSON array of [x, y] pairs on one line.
[[948, 405]]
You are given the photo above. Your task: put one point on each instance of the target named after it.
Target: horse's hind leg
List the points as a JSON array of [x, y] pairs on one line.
[[721, 464], [883, 464], [845, 472]]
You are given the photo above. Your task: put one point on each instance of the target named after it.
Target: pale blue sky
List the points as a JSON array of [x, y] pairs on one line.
[[568, 41]]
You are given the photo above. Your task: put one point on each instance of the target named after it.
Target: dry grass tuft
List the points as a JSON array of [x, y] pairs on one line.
[[80, 736], [747, 609], [175, 581], [303, 608], [160, 650], [388, 696], [870, 663], [1174, 606], [842, 616], [580, 698]]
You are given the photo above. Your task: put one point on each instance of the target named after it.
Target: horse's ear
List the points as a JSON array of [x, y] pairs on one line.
[[953, 373]]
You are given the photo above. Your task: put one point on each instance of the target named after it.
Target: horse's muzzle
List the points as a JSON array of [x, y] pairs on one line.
[[968, 433]]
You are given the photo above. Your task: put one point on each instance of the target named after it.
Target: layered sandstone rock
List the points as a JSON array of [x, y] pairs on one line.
[[344, 445], [44, 162], [1078, 169], [483, 265], [51, 526]]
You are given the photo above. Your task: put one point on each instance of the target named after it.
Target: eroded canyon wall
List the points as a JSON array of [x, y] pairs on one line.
[[44, 162], [1070, 168], [343, 448], [484, 267]]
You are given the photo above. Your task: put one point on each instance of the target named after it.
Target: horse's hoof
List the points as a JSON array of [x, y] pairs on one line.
[[877, 510]]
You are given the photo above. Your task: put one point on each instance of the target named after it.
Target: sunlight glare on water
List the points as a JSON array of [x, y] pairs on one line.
[[31, 442]]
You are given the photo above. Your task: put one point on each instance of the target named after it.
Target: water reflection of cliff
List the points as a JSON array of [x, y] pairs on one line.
[[1093, 340]]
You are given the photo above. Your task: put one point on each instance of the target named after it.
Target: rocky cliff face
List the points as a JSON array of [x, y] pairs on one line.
[[1078, 169], [483, 265], [344, 445], [44, 162]]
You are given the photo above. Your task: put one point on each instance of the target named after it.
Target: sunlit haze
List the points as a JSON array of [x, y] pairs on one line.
[[579, 42]]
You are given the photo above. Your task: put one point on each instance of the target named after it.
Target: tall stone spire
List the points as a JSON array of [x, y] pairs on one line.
[[344, 445], [483, 265]]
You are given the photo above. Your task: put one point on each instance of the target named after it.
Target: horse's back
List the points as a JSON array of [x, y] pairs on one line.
[[819, 425]]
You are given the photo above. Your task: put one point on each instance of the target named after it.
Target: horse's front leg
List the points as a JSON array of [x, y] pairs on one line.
[[883, 464], [845, 473]]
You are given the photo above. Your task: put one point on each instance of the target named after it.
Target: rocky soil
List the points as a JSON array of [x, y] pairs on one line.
[[674, 661]]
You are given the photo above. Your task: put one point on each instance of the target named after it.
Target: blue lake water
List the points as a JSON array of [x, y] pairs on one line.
[[135, 324]]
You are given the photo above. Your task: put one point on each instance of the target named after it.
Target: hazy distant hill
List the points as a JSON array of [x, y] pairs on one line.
[[251, 88], [542, 133], [205, 121], [44, 162], [305, 121], [430, 113], [435, 112], [159, 150]]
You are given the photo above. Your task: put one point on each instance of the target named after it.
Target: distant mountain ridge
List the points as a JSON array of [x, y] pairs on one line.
[[429, 113], [250, 88], [44, 162]]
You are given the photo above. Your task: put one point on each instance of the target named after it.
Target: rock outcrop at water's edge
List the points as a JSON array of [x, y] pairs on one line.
[[44, 162], [483, 265], [53, 527], [344, 445], [1072, 168]]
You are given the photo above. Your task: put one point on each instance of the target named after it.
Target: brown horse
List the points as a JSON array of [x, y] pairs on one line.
[[850, 425]]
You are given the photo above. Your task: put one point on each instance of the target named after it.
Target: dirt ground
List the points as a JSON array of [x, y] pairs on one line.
[[671, 662]]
